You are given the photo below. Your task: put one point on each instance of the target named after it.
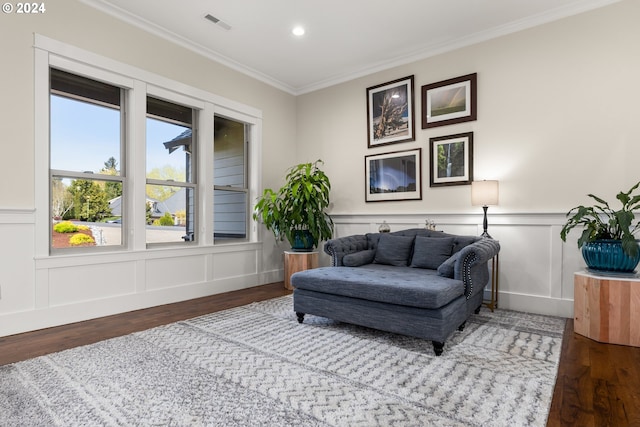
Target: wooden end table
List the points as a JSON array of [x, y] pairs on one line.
[[298, 261], [607, 308]]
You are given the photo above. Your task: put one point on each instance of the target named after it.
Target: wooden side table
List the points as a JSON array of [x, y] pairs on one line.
[[298, 261], [607, 309]]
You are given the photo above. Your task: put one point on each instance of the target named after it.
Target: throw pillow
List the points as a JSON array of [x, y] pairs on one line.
[[430, 252], [393, 250], [446, 269], [357, 259]]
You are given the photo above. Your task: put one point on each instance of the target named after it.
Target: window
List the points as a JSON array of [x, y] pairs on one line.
[[170, 190], [230, 198], [122, 153], [86, 179]]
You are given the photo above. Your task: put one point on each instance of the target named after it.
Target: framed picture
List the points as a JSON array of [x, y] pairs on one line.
[[451, 160], [394, 176], [390, 113], [449, 101]]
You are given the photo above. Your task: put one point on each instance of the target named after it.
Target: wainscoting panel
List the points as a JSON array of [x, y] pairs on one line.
[[71, 285], [536, 268], [233, 264], [175, 271], [16, 254], [43, 291]]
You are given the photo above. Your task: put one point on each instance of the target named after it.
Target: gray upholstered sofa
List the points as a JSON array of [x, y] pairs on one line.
[[415, 282]]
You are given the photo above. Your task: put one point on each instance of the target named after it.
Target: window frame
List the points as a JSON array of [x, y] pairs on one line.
[[89, 175], [138, 84], [187, 184]]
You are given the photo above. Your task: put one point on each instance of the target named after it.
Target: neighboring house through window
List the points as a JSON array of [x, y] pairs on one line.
[[230, 179], [170, 172]]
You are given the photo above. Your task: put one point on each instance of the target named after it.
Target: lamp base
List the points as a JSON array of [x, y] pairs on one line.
[[485, 223]]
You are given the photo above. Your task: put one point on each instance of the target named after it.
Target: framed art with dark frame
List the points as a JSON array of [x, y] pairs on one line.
[[394, 176], [451, 160], [390, 112], [449, 101]]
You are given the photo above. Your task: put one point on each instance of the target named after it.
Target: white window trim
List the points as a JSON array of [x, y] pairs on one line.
[[50, 52]]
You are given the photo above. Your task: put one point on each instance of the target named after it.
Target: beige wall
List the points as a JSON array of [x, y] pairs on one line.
[[557, 118], [557, 114], [76, 24], [37, 291]]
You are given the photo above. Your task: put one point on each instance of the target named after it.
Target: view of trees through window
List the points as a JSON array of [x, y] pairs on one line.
[[86, 129]]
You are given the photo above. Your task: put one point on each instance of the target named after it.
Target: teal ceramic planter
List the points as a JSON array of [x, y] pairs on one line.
[[607, 255], [302, 241]]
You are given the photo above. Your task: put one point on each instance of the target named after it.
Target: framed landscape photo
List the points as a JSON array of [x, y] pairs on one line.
[[449, 101], [451, 160], [390, 112], [394, 176]]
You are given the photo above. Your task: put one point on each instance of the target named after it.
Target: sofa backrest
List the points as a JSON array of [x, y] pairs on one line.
[[459, 242], [360, 249]]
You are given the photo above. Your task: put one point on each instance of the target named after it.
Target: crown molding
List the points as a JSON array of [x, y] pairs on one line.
[[145, 25], [575, 8]]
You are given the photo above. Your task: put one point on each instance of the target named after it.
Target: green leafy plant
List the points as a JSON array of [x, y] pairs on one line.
[[298, 205], [600, 221]]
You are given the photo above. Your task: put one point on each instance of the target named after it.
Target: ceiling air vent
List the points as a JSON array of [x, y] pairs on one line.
[[218, 22]]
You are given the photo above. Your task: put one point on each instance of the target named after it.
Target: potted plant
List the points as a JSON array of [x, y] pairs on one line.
[[608, 239], [297, 210]]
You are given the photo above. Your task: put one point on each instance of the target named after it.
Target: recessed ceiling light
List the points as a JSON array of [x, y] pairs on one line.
[[298, 31]]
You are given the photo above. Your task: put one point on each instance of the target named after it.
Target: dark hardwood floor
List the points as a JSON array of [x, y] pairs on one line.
[[19, 347], [598, 384]]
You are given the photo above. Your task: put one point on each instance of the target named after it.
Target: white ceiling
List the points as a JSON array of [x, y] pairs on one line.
[[344, 39]]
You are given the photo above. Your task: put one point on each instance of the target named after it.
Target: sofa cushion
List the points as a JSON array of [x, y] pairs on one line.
[[405, 286], [357, 259], [430, 252], [446, 269], [393, 250]]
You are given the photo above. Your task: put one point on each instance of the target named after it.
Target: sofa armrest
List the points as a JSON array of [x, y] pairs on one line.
[[472, 265], [342, 246]]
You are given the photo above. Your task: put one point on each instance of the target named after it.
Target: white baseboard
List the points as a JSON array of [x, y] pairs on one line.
[[536, 304]]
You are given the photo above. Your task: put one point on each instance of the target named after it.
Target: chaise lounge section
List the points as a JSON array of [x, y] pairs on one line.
[[415, 282]]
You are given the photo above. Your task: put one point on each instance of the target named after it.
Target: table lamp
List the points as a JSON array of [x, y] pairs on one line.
[[485, 194]]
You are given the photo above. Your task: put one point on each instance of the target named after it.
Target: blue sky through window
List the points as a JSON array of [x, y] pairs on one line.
[[84, 136]]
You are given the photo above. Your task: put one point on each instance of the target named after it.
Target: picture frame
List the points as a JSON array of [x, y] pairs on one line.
[[449, 101], [394, 176], [451, 160], [390, 112]]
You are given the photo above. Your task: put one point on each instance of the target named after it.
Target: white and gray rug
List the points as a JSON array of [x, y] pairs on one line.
[[256, 366]]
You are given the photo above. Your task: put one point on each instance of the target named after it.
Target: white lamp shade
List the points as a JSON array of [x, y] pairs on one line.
[[484, 193]]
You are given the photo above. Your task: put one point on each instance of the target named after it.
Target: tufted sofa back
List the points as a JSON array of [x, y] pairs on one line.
[[459, 242], [339, 247]]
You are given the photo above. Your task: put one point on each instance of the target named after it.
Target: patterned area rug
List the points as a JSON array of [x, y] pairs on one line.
[[256, 366]]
